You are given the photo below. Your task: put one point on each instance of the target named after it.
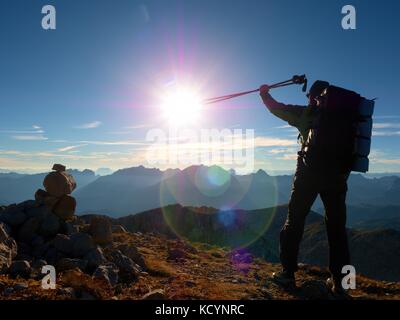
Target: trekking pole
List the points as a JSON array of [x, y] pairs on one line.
[[294, 80]]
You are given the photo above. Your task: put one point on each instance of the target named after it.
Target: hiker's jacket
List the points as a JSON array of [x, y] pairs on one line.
[[301, 117]]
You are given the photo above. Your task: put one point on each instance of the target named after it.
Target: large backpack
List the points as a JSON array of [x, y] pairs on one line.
[[340, 139]]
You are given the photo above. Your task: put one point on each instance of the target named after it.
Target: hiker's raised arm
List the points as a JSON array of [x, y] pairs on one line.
[[289, 113], [270, 102]]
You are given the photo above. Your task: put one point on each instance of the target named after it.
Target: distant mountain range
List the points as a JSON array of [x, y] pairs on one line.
[[137, 189], [374, 253], [16, 187]]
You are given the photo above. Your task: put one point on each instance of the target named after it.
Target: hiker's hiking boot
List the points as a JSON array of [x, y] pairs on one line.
[[335, 286], [284, 278]]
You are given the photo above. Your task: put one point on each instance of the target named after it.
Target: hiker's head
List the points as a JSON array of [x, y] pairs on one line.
[[316, 90]]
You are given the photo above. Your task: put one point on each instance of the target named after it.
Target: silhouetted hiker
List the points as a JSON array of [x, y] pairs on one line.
[[308, 182]]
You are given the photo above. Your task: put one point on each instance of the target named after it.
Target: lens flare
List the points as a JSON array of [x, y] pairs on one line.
[[213, 197]]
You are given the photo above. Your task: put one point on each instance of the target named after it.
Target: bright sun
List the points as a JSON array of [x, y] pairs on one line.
[[181, 106]]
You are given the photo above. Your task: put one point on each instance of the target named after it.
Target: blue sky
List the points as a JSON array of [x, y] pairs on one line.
[[87, 93]]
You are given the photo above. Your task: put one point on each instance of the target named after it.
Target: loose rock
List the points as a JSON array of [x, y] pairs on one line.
[[155, 295], [129, 271], [58, 167], [100, 229], [63, 243], [108, 273], [117, 228], [4, 232], [133, 253], [13, 216], [82, 244], [29, 229], [44, 198], [69, 264], [20, 268], [50, 225], [65, 207], [95, 257]]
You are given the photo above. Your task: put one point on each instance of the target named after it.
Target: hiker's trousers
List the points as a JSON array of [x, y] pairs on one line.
[[332, 189]]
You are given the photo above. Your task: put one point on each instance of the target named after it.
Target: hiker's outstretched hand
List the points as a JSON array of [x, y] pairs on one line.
[[264, 89]]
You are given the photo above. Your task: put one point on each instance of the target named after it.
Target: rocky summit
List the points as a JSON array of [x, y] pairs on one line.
[[95, 257]]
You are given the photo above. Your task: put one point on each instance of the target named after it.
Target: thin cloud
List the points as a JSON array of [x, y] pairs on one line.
[[144, 13], [387, 117], [22, 131], [11, 152], [282, 150], [386, 125], [35, 130], [274, 142], [27, 137], [139, 126], [70, 148], [389, 161], [90, 125], [385, 133], [131, 129], [115, 143]]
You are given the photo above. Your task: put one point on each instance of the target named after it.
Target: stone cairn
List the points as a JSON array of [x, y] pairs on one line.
[[59, 185], [45, 231]]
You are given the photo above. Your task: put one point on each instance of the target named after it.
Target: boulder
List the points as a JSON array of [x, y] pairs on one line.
[[68, 228], [73, 278], [13, 216], [23, 249], [36, 269], [133, 253], [68, 292], [39, 251], [59, 183], [82, 244], [65, 207], [117, 228], [69, 264], [44, 198], [20, 268], [95, 257], [315, 290], [52, 255], [39, 264], [58, 167], [37, 241], [5, 262], [129, 271], [107, 273], [40, 195], [4, 232], [8, 251], [29, 229], [157, 294], [38, 211], [100, 229], [50, 225], [28, 204], [62, 243]]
